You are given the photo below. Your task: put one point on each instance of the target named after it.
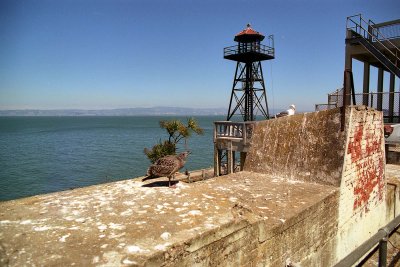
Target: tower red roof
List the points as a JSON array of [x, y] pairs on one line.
[[249, 35]]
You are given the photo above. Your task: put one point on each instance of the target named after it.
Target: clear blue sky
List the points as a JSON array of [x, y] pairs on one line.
[[144, 53]]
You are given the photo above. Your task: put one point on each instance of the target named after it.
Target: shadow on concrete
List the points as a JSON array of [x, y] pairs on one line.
[[149, 178], [160, 184]]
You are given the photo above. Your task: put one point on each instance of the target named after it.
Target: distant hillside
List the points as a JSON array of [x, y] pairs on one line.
[[117, 112]]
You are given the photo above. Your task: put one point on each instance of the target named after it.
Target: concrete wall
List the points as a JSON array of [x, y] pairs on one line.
[[362, 207], [311, 147], [307, 147], [307, 238]]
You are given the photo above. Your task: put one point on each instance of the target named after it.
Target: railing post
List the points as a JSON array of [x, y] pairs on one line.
[[215, 131], [372, 100], [244, 133], [380, 90], [382, 252]]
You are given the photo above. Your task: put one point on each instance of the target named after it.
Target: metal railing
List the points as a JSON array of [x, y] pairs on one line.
[[251, 47], [334, 99], [389, 29], [320, 107], [378, 240], [233, 130], [369, 31], [387, 102]]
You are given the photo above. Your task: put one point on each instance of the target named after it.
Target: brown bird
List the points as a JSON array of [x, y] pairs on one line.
[[168, 166]]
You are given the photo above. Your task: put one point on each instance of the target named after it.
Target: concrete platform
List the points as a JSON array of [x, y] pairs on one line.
[[134, 223]]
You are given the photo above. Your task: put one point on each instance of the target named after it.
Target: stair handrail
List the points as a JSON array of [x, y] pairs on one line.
[[366, 33]]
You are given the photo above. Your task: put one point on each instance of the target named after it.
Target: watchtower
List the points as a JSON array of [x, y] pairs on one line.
[[248, 99], [248, 91]]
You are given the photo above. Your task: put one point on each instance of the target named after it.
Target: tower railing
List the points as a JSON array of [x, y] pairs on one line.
[[241, 131], [250, 47]]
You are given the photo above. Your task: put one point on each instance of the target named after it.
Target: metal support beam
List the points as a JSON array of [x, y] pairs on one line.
[[348, 70], [366, 84], [348, 91], [380, 89], [391, 97]]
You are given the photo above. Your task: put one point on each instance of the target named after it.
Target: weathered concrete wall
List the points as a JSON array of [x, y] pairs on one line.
[[311, 147], [308, 147]]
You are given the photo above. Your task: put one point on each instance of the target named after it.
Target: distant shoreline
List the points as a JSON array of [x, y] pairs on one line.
[[155, 111]]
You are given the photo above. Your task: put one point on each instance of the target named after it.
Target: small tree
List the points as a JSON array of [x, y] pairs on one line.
[[176, 131]]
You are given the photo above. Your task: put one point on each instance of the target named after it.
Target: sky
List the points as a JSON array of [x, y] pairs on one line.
[[105, 54]]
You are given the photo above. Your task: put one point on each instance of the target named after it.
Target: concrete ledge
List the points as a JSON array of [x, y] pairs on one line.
[[133, 223]]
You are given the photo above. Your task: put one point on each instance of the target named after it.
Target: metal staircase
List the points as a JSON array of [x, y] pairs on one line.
[[385, 48]]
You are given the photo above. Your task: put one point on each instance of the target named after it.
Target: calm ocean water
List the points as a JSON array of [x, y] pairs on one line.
[[47, 154]]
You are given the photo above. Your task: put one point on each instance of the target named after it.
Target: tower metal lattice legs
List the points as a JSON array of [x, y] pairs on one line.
[[248, 97]]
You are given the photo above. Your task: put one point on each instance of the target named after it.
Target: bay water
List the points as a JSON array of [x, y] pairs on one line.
[[47, 154]]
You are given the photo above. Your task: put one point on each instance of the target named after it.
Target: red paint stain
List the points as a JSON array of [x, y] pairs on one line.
[[368, 161]]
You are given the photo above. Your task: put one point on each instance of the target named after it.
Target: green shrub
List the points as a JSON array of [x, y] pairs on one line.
[[176, 131]]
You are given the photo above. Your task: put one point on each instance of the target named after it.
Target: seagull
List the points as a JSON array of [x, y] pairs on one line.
[[289, 112], [168, 166]]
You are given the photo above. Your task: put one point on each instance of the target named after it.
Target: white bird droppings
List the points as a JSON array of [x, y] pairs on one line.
[[161, 247], [194, 212], [102, 227], [179, 209], [135, 249], [41, 228], [96, 259], [165, 235], [232, 199], [129, 262], [207, 196], [64, 237], [117, 226], [128, 212]]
